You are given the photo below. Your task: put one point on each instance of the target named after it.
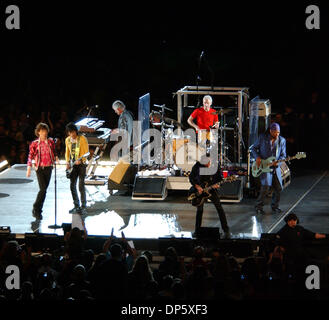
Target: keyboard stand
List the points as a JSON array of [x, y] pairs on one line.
[[91, 178]]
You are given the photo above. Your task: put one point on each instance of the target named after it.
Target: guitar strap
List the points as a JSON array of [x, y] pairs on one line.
[[277, 148]]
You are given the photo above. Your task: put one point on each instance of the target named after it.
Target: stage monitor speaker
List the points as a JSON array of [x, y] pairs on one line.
[[232, 192], [119, 172], [208, 233], [122, 176], [150, 188]]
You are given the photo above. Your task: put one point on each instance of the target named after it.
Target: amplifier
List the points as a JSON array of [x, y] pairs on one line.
[[232, 192], [122, 176], [150, 188]]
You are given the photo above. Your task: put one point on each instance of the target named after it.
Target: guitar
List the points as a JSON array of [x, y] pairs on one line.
[[69, 170], [266, 164], [199, 198]]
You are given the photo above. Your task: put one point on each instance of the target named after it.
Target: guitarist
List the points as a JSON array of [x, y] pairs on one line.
[[267, 145], [76, 145], [197, 180]]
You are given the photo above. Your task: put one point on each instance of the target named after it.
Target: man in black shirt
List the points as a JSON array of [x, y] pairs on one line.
[[291, 237], [198, 180]]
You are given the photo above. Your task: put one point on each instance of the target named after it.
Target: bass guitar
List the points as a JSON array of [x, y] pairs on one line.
[[70, 169], [199, 198], [266, 165]]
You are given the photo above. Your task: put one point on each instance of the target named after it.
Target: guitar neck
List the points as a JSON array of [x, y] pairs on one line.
[[287, 159], [213, 185]]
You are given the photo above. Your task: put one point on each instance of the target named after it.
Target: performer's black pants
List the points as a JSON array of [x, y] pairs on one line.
[[221, 214], [79, 171], [264, 190], [43, 176]]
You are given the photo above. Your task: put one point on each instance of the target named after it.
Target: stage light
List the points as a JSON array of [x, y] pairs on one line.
[[4, 165]]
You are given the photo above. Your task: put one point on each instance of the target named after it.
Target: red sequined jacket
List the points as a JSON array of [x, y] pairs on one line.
[[34, 153]]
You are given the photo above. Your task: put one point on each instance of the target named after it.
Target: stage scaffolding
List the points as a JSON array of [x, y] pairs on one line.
[[241, 112]]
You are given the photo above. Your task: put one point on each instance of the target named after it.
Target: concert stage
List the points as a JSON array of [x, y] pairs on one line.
[[307, 196]]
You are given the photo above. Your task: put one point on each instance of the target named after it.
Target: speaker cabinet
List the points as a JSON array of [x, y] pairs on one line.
[[122, 176], [150, 188], [232, 192]]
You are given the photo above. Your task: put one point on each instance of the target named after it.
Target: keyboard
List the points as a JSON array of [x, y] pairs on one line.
[[91, 129]]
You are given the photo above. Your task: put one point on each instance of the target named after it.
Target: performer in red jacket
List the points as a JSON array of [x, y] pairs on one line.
[[42, 155]]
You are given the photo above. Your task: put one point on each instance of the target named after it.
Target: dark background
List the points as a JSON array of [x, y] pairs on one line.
[[66, 57]]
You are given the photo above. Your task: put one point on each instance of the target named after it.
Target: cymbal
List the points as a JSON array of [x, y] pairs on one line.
[[225, 128], [169, 126], [219, 107], [222, 111], [156, 112], [157, 123], [175, 122]]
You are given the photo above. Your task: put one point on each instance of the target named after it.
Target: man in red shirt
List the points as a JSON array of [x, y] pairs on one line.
[[43, 153], [205, 119]]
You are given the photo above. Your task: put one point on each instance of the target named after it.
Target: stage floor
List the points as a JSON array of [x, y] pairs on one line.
[[307, 196]]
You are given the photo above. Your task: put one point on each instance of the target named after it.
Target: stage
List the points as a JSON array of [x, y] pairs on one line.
[[307, 196]]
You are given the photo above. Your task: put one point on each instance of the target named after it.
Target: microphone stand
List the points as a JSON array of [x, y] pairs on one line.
[[90, 109], [55, 226]]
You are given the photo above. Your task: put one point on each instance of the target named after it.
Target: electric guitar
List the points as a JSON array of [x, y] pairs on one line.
[[199, 198], [69, 170], [267, 164]]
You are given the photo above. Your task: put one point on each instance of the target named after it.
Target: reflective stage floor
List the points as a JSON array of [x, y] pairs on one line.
[[307, 196]]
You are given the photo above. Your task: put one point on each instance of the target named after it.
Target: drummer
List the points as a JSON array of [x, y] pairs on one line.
[[205, 117]]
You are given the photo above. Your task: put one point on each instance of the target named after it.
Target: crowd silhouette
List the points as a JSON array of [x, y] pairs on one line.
[[72, 271]]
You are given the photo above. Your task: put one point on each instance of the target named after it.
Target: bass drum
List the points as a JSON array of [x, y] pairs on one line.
[[285, 174], [187, 155]]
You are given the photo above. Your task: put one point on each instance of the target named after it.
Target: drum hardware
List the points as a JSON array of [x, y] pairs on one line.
[[169, 126], [158, 119], [163, 107]]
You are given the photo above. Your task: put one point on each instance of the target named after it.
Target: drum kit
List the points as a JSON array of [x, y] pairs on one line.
[[179, 150]]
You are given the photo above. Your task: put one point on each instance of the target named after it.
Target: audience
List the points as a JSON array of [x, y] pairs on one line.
[[209, 274]]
